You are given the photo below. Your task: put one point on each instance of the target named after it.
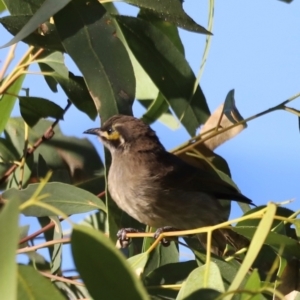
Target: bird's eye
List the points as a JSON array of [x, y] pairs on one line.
[[110, 130]]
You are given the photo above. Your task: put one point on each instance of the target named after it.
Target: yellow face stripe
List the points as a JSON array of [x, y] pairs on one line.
[[113, 136]]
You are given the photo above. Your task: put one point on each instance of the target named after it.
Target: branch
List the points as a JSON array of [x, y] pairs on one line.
[[44, 245], [62, 279]]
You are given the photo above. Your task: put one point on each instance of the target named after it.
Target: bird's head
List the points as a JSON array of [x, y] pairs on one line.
[[122, 132]]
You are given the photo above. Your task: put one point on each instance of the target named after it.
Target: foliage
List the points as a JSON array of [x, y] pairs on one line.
[[122, 59]]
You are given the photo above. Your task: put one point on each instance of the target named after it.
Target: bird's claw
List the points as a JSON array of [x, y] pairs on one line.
[[122, 236], [165, 241]]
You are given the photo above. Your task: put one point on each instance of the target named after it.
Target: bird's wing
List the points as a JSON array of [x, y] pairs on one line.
[[185, 176]]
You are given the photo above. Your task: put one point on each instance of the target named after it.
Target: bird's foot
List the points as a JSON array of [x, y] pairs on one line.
[[122, 236], [165, 241]]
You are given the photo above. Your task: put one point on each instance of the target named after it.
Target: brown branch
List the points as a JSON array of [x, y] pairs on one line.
[[101, 194], [38, 232], [48, 134], [44, 245], [60, 278]]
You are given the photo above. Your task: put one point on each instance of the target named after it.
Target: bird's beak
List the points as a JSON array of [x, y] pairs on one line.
[[95, 131]]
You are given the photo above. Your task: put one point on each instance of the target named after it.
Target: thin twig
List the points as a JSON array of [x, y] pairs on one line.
[[44, 245], [48, 134], [193, 142], [60, 278], [23, 160], [8, 60], [38, 232], [101, 194]]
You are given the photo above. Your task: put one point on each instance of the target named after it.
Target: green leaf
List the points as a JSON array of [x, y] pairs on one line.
[[257, 241], [21, 176], [55, 60], [230, 109], [172, 273], [2, 7], [9, 235], [195, 281], [286, 246], [67, 198], [46, 37], [7, 101], [32, 285], [54, 233], [138, 262], [47, 10], [105, 64], [92, 248], [161, 256], [76, 157], [20, 7], [77, 91], [8, 152], [168, 69], [34, 108], [158, 110], [169, 11], [252, 284]]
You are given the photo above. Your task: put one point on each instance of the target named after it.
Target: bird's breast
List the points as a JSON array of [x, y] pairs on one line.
[[129, 187]]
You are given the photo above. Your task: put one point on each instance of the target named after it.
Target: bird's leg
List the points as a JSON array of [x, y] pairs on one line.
[[165, 241], [123, 239]]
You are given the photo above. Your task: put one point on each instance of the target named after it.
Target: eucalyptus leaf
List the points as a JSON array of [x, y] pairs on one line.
[[168, 69], [9, 235], [7, 101], [34, 108], [169, 11], [101, 282], [67, 198], [105, 66], [47, 10], [32, 285]]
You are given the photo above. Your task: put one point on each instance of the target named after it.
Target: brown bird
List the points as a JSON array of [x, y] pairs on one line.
[[159, 189]]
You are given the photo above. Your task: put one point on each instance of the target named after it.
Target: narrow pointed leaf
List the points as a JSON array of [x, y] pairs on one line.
[[9, 235], [252, 284], [168, 69], [169, 11], [256, 243], [105, 64], [46, 37], [8, 101], [195, 281], [47, 10]]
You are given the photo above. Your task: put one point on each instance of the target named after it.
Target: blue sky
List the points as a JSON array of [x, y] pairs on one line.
[[255, 50]]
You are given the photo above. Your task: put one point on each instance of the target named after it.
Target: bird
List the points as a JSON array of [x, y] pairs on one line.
[[159, 189]]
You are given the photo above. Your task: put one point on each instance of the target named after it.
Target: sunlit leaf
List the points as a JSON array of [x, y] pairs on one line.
[[67, 198], [32, 285], [196, 281], [7, 101], [9, 235]]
